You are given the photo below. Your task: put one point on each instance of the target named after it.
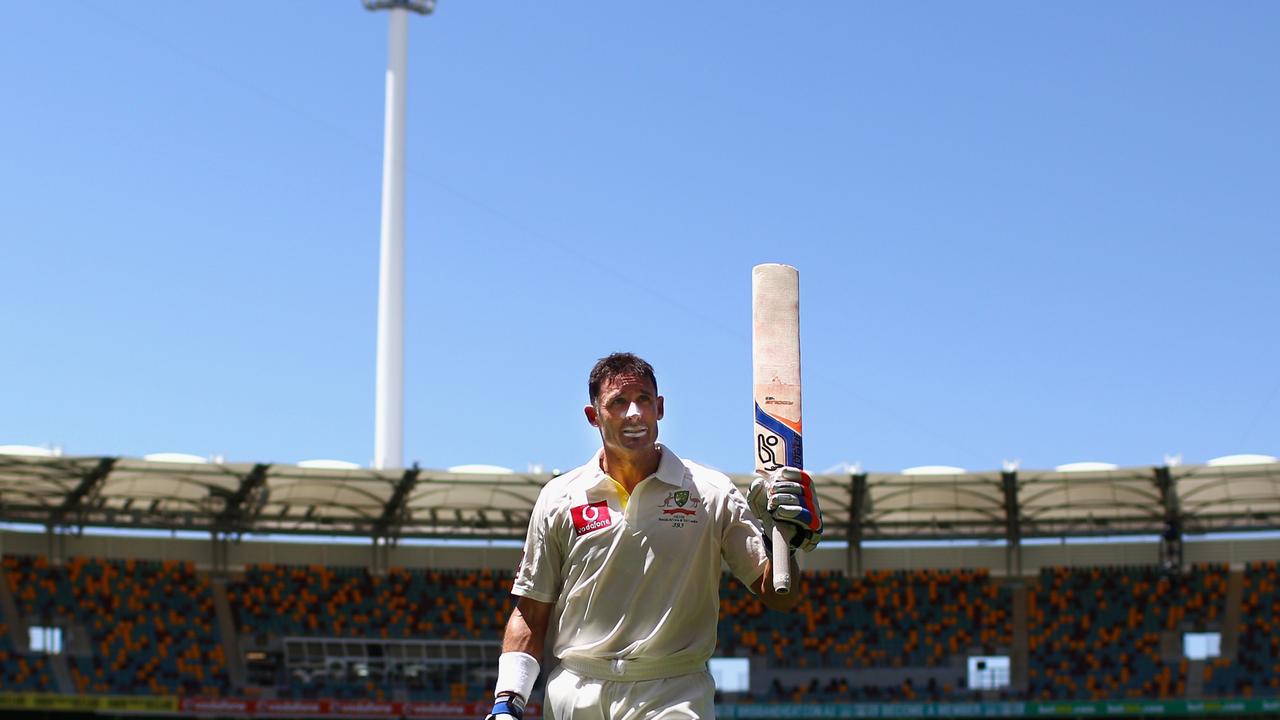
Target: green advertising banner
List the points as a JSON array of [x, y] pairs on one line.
[[48, 702], [1114, 708]]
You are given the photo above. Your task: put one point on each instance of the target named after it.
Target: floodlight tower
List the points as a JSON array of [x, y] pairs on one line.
[[388, 424]]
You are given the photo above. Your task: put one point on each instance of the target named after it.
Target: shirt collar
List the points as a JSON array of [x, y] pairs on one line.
[[670, 469]]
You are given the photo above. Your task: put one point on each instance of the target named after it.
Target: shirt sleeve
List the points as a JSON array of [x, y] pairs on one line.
[[741, 541], [540, 572]]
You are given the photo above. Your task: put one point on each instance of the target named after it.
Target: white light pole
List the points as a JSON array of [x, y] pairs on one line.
[[388, 425]]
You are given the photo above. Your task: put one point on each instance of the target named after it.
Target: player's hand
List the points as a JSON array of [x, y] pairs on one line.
[[507, 706], [786, 496]]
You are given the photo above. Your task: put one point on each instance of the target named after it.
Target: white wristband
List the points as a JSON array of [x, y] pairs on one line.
[[517, 672]]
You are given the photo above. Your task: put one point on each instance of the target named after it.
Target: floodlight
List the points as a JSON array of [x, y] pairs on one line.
[[422, 7]]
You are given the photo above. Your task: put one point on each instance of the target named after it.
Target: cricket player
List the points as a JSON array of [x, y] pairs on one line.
[[623, 559]]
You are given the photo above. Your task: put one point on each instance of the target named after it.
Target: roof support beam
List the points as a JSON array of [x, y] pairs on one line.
[[239, 514], [1171, 536], [74, 501], [1012, 523], [858, 506], [394, 512]]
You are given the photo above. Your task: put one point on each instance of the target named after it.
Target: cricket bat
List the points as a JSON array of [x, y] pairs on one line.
[[775, 364]]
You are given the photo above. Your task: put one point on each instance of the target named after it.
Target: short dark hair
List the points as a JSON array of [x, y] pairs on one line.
[[615, 364]]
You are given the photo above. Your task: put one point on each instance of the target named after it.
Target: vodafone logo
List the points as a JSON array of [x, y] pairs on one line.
[[591, 517]]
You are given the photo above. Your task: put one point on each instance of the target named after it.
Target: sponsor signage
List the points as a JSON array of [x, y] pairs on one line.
[[363, 708], [423, 710], [216, 705], [289, 708], [590, 517], [420, 710], [48, 702], [1066, 709], [248, 708], [444, 709]]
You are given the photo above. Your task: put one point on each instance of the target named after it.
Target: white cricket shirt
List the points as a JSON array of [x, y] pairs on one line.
[[636, 580]]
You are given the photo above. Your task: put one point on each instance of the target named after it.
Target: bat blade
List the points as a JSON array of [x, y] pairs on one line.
[[775, 364]]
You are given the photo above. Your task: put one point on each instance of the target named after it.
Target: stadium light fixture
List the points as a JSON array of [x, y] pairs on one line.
[[422, 7]]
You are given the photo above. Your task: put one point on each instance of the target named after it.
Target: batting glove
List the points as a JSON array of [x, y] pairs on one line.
[[508, 706], [786, 496]]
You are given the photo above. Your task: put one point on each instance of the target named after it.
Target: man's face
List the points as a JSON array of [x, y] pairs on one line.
[[627, 412]]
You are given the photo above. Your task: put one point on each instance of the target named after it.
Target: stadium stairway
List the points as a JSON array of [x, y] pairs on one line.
[[1231, 616], [230, 638], [1171, 646], [61, 673], [1195, 679], [9, 614], [17, 631], [1021, 655]]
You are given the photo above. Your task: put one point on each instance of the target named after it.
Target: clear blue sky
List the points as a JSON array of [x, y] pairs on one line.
[[1034, 231]]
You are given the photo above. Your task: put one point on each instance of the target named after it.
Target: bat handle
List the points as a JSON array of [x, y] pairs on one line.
[[781, 559]]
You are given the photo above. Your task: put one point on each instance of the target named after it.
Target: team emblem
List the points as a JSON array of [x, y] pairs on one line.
[[680, 506]]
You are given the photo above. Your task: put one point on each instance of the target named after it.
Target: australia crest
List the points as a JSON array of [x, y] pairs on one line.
[[679, 507]]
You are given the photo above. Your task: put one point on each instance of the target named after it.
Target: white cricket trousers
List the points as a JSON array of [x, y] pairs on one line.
[[570, 696]]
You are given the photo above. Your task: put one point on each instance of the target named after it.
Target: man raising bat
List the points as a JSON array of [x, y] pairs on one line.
[[623, 560]]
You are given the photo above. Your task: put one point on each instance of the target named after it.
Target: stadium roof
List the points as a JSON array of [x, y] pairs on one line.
[[241, 498]]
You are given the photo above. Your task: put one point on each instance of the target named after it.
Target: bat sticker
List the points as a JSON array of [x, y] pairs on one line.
[[766, 444]]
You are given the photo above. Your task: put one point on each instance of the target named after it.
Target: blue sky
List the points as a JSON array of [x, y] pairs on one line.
[[1033, 231]]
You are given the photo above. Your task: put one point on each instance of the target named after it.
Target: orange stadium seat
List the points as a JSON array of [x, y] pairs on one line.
[[1093, 633], [1255, 669], [138, 615], [1096, 632]]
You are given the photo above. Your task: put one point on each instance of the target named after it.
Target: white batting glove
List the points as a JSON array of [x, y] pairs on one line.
[[786, 496]]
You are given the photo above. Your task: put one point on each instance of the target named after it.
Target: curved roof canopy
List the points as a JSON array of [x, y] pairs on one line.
[[332, 499]]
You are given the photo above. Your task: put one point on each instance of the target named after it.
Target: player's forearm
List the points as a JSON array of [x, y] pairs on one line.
[[527, 628]]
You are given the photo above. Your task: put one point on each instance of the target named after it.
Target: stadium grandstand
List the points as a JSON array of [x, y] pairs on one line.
[[182, 588]]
